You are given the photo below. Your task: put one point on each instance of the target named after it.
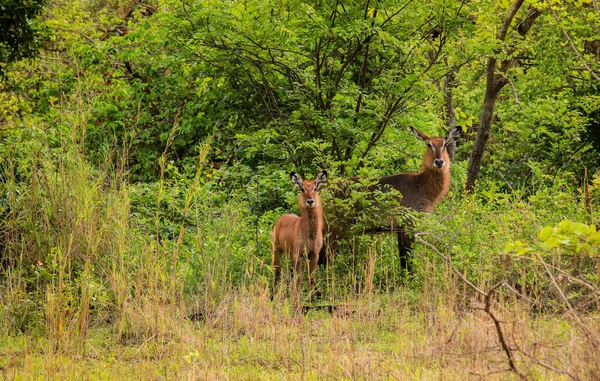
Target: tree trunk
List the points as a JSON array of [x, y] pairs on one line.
[[495, 83], [496, 80]]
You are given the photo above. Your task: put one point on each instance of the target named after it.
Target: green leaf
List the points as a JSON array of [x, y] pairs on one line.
[[581, 229], [551, 243], [546, 233], [524, 250]]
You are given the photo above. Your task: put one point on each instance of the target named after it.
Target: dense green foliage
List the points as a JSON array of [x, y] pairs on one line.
[[20, 35], [299, 86], [145, 156]]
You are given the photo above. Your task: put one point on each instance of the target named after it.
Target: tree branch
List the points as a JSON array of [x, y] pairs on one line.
[[395, 14], [514, 90], [508, 20], [499, 332], [571, 44], [449, 101]]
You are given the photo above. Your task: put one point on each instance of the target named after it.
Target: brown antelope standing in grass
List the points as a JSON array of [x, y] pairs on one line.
[[421, 191], [300, 237]]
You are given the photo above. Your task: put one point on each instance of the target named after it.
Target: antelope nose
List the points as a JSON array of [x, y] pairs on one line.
[[310, 202], [439, 163]]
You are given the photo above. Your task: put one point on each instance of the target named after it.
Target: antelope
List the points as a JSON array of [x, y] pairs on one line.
[[301, 236], [421, 191]]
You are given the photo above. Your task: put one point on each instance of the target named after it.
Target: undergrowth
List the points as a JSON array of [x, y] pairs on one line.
[[172, 279]]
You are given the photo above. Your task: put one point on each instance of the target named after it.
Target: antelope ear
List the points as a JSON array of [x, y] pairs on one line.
[[421, 136], [320, 179], [297, 180], [453, 135]]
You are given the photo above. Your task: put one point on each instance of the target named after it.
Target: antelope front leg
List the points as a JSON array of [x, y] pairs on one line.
[[276, 271], [297, 281]]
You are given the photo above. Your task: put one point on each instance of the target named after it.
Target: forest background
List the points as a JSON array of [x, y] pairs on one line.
[[145, 152]]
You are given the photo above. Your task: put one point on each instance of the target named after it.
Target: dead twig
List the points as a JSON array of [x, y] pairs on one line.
[[487, 308], [499, 332], [549, 367]]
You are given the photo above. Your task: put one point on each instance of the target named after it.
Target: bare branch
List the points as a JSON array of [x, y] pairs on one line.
[[488, 305], [571, 44], [454, 269], [585, 329], [395, 13], [550, 367], [596, 7], [514, 90], [499, 332]]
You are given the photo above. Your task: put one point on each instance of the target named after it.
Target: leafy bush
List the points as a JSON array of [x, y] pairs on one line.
[[485, 235]]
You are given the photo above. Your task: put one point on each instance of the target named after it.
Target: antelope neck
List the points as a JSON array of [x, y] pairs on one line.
[[311, 217], [436, 180]]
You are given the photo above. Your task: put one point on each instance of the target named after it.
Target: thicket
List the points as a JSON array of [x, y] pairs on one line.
[[144, 157]]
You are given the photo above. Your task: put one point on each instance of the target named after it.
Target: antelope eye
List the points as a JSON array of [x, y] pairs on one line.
[[430, 144]]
